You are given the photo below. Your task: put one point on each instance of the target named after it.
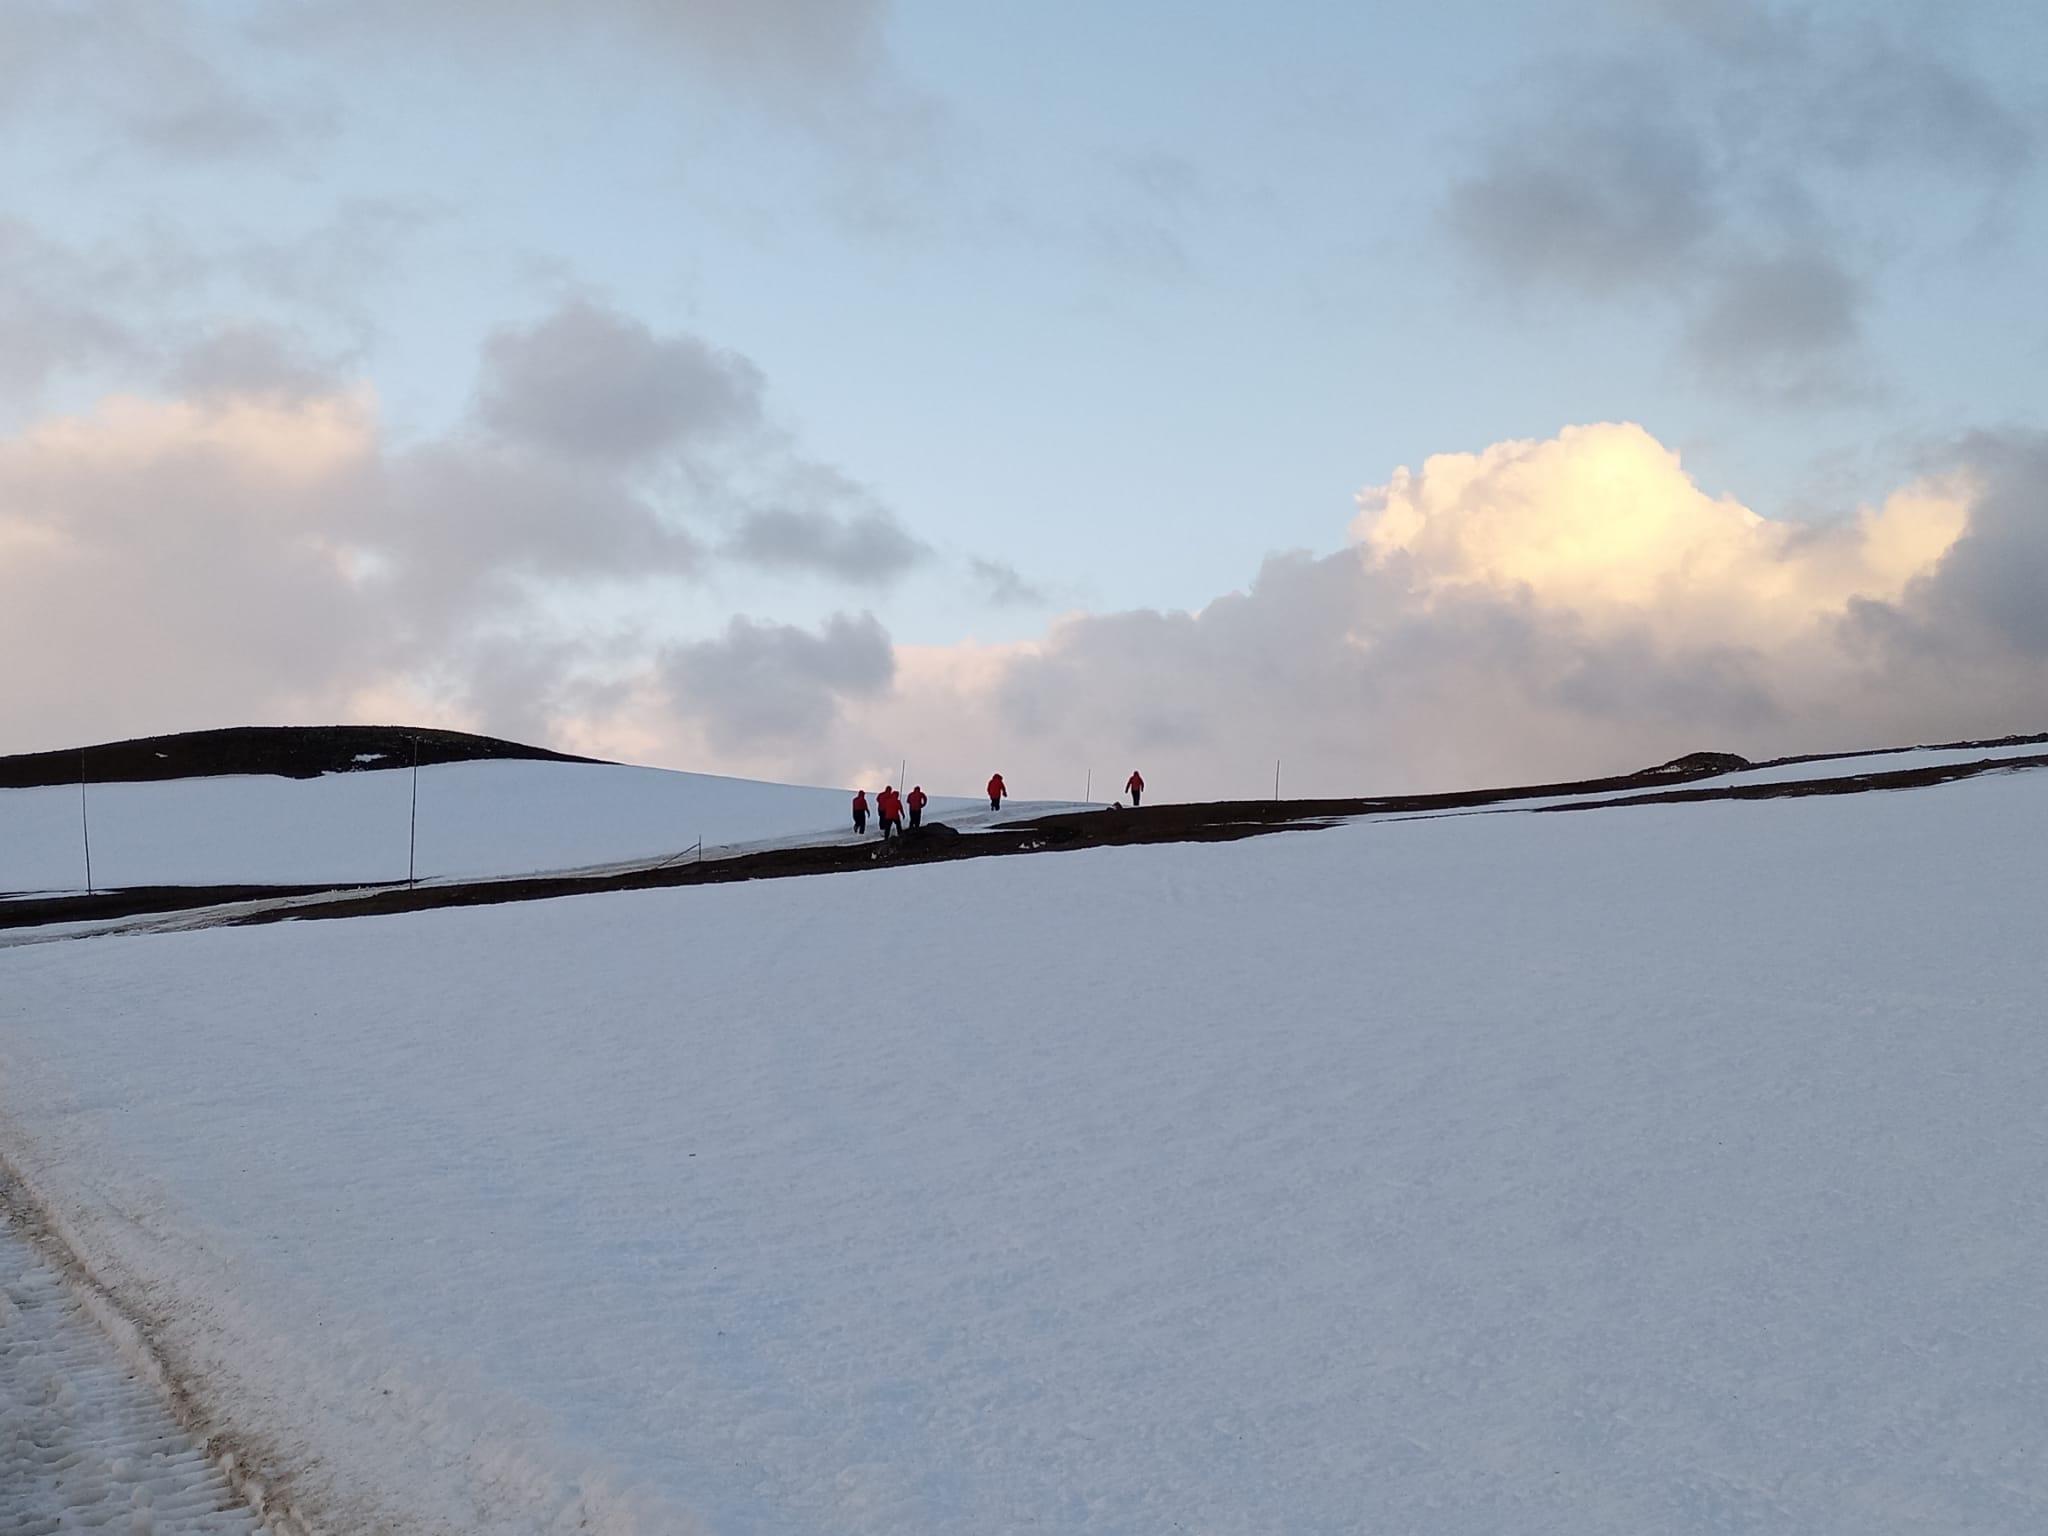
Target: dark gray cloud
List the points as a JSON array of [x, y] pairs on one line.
[[867, 546], [1787, 326], [1720, 167], [1994, 583], [777, 685], [590, 383], [668, 421], [1597, 183]]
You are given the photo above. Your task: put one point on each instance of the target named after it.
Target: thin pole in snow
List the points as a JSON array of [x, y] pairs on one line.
[[1088, 794], [84, 822], [412, 841], [1276, 778]]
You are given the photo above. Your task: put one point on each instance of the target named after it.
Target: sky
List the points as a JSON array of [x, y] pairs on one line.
[[1416, 396]]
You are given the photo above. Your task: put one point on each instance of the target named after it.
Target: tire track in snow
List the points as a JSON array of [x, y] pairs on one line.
[[86, 1443], [90, 1414]]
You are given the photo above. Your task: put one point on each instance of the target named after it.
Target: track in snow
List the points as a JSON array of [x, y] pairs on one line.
[[84, 1444]]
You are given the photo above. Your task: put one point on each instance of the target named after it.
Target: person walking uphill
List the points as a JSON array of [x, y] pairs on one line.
[[1136, 785], [889, 805], [996, 790], [917, 803], [860, 813]]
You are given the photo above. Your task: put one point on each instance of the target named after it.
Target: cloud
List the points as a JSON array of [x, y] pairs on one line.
[[670, 421], [1992, 586], [143, 309], [174, 563], [1002, 587], [1534, 609], [1789, 324], [805, 60], [142, 67], [1600, 182], [1717, 168], [255, 547], [777, 684], [866, 546], [1537, 609], [257, 361], [590, 383], [54, 313]]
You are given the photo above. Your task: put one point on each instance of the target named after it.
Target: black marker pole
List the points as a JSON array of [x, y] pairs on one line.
[[412, 842], [84, 822]]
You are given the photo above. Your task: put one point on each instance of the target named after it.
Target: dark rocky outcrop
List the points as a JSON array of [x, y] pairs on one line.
[[289, 751]]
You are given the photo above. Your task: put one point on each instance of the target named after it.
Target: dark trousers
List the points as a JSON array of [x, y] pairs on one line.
[[891, 827], [1137, 798], [860, 822], [995, 802], [917, 815]]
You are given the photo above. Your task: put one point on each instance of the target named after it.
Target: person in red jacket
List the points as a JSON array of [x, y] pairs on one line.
[[996, 790], [860, 813], [1136, 785], [917, 803], [890, 806]]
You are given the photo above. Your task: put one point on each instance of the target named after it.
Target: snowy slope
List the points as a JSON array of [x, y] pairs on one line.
[[1868, 762], [475, 819], [1882, 762], [1671, 1169]]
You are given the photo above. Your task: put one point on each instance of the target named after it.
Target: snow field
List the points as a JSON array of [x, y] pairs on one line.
[[1835, 768], [1671, 1169], [84, 1445], [475, 820]]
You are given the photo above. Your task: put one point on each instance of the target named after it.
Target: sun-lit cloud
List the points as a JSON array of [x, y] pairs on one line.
[[1604, 524]]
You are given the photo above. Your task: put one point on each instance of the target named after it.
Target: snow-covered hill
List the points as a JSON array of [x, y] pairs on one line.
[[475, 819], [1667, 1167]]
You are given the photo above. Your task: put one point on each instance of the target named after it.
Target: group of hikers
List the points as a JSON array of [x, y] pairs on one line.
[[890, 805]]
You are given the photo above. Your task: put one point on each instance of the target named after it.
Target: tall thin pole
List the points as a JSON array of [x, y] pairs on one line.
[[902, 772], [412, 841], [84, 822], [1276, 778], [1088, 794]]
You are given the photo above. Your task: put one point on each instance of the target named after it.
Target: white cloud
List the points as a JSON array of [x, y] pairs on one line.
[[1602, 523]]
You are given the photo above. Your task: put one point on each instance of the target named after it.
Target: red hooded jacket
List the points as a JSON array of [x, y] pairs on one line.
[[890, 804], [860, 799], [996, 787], [918, 798], [1135, 783]]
